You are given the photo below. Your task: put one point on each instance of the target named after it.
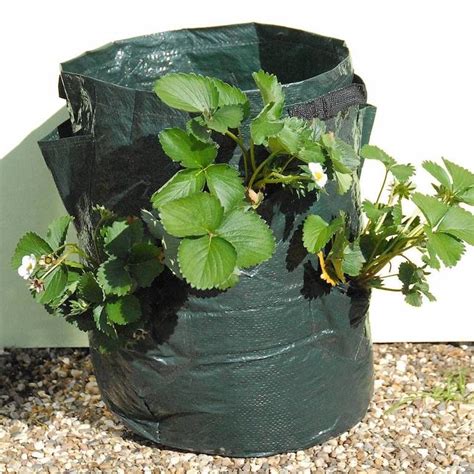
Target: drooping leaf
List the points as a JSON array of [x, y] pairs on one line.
[[197, 128], [311, 152], [124, 310], [317, 232], [467, 196], [343, 155], [153, 224], [459, 223], [226, 117], [406, 273], [289, 138], [89, 288], [461, 177], [265, 125], [170, 247], [231, 281], [144, 264], [187, 91], [30, 243], [206, 262], [447, 248], [414, 298], [270, 89], [250, 235], [187, 149], [230, 95], [57, 231], [438, 173], [170, 243], [183, 183], [225, 183], [194, 215], [100, 318], [371, 152], [353, 260], [343, 181], [54, 285], [433, 209], [318, 128], [374, 211], [114, 278], [402, 172], [118, 239]]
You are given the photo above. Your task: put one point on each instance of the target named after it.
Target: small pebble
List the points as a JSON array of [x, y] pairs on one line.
[[52, 420]]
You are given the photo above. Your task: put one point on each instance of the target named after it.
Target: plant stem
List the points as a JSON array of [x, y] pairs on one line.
[[252, 155], [239, 142], [287, 163], [382, 187], [387, 289], [260, 167]]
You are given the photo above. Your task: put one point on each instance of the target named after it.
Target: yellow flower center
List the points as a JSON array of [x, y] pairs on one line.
[[317, 175]]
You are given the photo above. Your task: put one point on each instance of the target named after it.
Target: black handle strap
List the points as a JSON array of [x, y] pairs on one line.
[[330, 104]]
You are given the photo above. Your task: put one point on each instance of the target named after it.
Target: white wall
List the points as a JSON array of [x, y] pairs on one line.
[[415, 57]]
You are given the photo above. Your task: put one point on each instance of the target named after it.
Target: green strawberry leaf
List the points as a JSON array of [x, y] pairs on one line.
[[459, 223], [343, 156], [206, 262], [197, 128], [343, 181], [123, 310], [100, 318], [117, 239], [187, 91], [374, 211], [30, 244], [225, 183], [317, 232], [114, 278], [54, 285], [250, 235], [371, 152], [187, 149], [270, 89], [57, 231], [265, 125], [225, 117], [438, 173], [461, 177], [433, 209], [353, 260], [402, 172], [89, 288], [229, 95], [447, 248], [183, 183], [467, 196], [153, 224], [144, 264], [414, 298], [194, 215], [289, 139]]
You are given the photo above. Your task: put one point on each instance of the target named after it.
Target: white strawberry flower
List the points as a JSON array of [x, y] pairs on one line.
[[27, 267], [318, 174]]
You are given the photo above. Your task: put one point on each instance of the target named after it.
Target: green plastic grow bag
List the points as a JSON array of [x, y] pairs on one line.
[[280, 362]]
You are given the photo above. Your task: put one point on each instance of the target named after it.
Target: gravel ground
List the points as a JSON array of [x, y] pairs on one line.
[[52, 420]]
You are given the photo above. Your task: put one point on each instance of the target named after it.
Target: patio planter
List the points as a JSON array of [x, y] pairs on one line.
[[277, 363]]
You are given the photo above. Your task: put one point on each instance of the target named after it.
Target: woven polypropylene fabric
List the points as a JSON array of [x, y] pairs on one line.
[[265, 366]]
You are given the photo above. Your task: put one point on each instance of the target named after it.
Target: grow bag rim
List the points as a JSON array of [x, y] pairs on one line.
[[344, 63]]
